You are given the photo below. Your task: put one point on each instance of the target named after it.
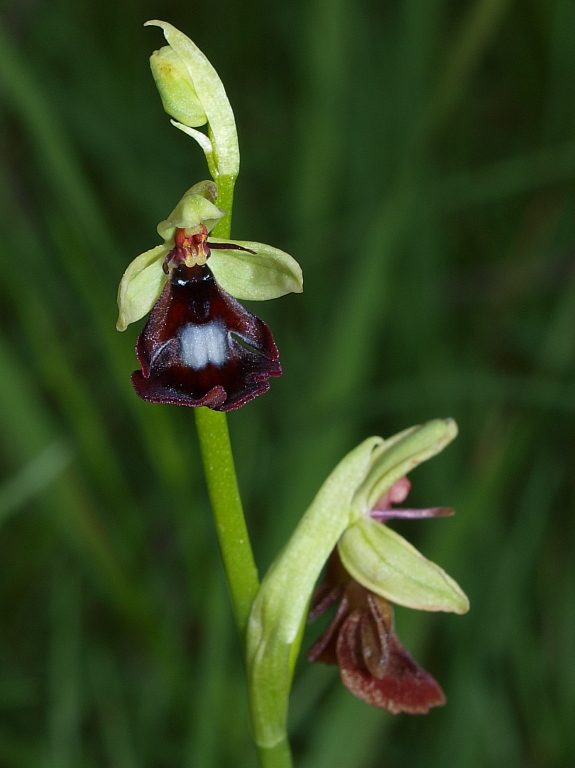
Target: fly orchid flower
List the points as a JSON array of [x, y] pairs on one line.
[[361, 638], [348, 512], [199, 345]]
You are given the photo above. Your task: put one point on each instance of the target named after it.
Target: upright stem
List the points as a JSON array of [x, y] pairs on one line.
[[228, 513], [220, 472], [275, 757], [219, 469]]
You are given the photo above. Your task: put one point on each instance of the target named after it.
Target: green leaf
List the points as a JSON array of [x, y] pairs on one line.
[[141, 285], [265, 274], [385, 563]]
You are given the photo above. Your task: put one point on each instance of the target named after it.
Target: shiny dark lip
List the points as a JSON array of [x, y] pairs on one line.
[[192, 295]]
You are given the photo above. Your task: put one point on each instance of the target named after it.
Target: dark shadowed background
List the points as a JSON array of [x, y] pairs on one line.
[[418, 158]]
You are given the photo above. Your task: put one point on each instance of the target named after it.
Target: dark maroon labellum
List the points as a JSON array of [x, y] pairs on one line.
[[201, 347], [361, 640]]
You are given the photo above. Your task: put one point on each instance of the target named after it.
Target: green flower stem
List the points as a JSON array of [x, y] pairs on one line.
[[228, 513], [219, 469], [276, 757], [225, 200], [220, 472]]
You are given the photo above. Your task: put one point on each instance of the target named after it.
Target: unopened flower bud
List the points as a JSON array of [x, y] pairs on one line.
[[194, 95], [176, 88]]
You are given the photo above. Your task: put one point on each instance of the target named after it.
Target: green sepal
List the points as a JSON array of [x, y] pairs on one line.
[[280, 607], [193, 209], [399, 455], [176, 88], [141, 285], [265, 274], [385, 563], [212, 97]]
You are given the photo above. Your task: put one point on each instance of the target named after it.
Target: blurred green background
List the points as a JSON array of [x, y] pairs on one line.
[[418, 158]]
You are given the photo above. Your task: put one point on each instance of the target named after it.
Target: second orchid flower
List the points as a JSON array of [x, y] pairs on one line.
[[378, 567]]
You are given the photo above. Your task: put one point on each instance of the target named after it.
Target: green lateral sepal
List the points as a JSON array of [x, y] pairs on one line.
[[385, 563], [141, 285], [265, 274]]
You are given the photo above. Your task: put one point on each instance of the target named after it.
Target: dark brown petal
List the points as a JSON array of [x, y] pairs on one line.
[[201, 347]]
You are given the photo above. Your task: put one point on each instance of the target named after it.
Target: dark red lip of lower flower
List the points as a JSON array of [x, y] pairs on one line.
[[201, 347], [402, 685], [361, 640]]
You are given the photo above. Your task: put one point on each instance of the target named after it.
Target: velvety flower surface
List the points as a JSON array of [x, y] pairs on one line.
[[361, 640], [201, 347]]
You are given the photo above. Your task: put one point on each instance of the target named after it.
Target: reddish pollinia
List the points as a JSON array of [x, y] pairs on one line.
[[199, 345]]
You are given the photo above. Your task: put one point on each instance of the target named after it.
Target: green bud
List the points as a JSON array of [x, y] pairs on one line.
[[221, 144], [385, 563], [176, 88]]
